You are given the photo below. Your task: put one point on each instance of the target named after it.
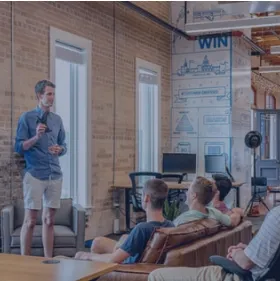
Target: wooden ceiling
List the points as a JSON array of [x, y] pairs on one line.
[[267, 37]]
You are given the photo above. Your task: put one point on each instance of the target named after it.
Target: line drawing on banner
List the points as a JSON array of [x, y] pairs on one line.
[[184, 122], [184, 125], [219, 93], [214, 148], [183, 147], [205, 68], [216, 120]]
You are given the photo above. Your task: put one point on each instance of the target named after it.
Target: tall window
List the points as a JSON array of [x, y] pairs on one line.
[[269, 129], [148, 78], [70, 71], [270, 102]]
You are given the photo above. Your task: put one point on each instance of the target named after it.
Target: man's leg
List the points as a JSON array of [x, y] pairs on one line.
[[48, 232], [27, 231], [32, 195], [103, 245], [51, 198], [207, 273]]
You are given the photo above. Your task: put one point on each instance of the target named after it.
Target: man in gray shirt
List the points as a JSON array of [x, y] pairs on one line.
[[254, 257]]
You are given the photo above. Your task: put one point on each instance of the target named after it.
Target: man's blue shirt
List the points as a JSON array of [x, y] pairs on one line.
[[40, 163], [137, 240]]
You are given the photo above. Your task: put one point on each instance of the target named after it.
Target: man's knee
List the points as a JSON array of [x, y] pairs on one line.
[[156, 275], [30, 222], [48, 217], [30, 218], [97, 244]]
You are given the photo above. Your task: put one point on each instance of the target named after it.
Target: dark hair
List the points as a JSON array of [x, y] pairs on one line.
[[205, 190], [224, 186], [157, 190], [41, 85]]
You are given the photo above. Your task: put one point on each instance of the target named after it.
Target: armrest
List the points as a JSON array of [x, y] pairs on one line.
[[79, 225], [232, 267], [7, 225], [140, 268]]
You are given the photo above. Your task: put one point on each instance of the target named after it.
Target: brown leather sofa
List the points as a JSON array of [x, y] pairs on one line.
[[187, 245]]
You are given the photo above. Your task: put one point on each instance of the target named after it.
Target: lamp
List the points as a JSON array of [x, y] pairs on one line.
[[253, 140]]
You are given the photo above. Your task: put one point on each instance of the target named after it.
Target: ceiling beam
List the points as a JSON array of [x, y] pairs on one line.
[[223, 25]]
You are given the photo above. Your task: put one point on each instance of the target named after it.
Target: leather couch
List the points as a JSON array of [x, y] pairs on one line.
[[190, 245]]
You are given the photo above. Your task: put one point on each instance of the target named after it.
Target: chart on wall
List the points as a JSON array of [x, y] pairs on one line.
[[201, 65], [214, 123], [184, 122], [198, 93], [184, 145]]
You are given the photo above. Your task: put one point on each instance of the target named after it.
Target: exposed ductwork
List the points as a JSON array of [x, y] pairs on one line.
[[256, 49]]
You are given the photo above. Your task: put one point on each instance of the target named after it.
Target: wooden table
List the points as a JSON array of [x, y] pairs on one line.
[[184, 185], [29, 268]]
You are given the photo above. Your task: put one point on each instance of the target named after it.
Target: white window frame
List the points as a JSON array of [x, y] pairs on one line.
[[140, 63], [67, 38]]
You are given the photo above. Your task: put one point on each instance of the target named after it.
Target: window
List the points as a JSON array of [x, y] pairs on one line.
[[71, 72], [148, 78], [270, 102]]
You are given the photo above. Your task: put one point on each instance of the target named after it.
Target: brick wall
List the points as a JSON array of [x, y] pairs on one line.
[[136, 37]]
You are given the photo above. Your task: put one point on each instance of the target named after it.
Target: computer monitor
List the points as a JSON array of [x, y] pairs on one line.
[[215, 164], [179, 163]]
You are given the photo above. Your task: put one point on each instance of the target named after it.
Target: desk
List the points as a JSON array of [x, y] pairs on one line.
[[184, 185], [29, 268]]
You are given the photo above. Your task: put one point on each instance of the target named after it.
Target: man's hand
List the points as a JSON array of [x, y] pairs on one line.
[[83, 256], [40, 130], [232, 249], [55, 149]]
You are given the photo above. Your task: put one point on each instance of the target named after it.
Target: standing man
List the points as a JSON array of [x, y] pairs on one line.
[[40, 138]]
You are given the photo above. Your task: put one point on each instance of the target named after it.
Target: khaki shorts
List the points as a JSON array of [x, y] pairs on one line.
[[34, 190]]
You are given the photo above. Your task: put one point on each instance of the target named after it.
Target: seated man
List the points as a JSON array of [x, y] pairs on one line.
[[223, 188], [129, 251], [254, 257], [200, 194]]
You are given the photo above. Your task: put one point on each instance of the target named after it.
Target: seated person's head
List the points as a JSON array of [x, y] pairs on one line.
[[223, 188], [154, 194], [201, 192]]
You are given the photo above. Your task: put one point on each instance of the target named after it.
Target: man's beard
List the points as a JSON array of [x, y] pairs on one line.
[[46, 103]]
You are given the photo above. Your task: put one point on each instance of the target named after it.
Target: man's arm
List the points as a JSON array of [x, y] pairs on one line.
[[61, 140], [117, 257], [227, 220], [241, 259], [235, 218], [22, 142]]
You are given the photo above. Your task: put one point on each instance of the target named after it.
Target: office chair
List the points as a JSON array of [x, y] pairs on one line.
[[136, 194], [173, 194]]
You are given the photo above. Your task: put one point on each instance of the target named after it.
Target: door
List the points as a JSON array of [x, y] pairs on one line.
[[268, 155]]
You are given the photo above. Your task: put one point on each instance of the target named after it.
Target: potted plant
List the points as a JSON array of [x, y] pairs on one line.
[[171, 210]]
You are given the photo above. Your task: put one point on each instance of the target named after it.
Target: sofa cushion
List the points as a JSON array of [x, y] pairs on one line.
[[165, 239], [63, 237], [197, 253], [63, 215]]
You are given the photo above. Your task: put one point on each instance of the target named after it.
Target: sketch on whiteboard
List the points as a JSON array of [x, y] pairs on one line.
[[202, 69]]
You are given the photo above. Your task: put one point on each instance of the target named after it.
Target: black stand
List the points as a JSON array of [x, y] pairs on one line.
[[256, 197]]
